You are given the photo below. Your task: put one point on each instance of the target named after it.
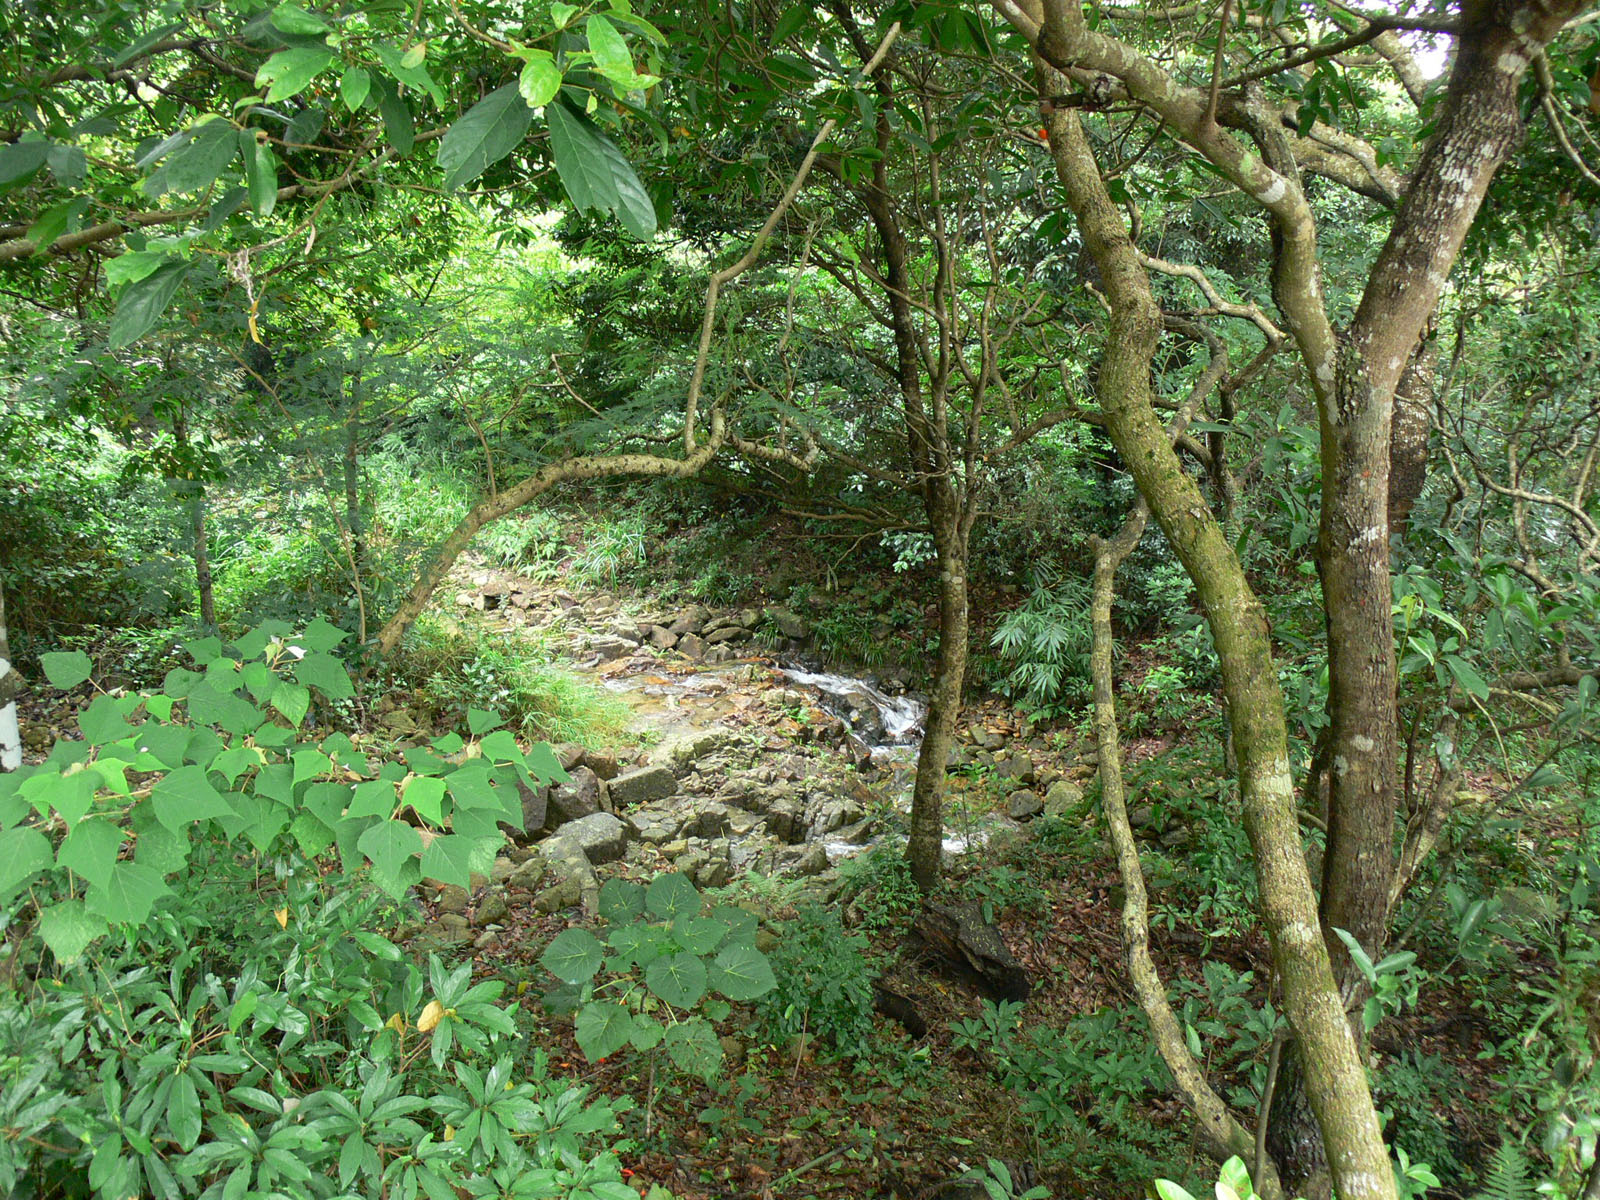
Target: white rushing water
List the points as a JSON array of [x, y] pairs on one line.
[[901, 715]]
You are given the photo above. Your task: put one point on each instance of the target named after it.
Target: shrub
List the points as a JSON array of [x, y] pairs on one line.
[[824, 985], [1046, 643]]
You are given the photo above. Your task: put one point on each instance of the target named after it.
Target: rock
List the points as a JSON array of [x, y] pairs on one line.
[[626, 629], [528, 876], [573, 801], [603, 763], [721, 654], [835, 814], [1141, 816], [569, 755], [983, 739], [691, 645], [785, 821], [728, 633], [400, 722], [1018, 766], [611, 648], [535, 807], [788, 622], [451, 927], [487, 940], [1024, 805], [662, 639], [733, 1050], [1062, 799], [563, 895], [691, 620], [493, 909], [634, 788], [502, 870], [453, 898], [709, 819], [599, 837], [813, 860]]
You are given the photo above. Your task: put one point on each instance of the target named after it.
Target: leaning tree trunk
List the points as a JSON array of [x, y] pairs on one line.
[[10, 685], [202, 558], [1337, 1080]]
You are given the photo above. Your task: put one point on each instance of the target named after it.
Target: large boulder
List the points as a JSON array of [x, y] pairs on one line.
[[535, 807], [1062, 799], [691, 645], [1024, 805], [788, 622], [598, 838], [633, 788]]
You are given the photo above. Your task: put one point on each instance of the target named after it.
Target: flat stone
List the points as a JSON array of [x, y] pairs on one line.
[[728, 633], [502, 870], [788, 622], [599, 837], [633, 788], [569, 755], [611, 648], [451, 927], [603, 763]]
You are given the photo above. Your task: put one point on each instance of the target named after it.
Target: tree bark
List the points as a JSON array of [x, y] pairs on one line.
[[1337, 1081], [925, 849], [10, 684], [202, 558]]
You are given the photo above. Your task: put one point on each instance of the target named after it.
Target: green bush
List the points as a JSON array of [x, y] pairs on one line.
[[1045, 644], [824, 985]]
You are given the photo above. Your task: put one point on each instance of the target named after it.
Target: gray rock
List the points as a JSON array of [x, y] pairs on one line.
[[535, 807], [662, 639], [603, 763], [721, 654], [563, 895], [1062, 799], [450, 928], [528, 876], [569, 755], [599, 837], [708, 819], [691, 645], [633, 788], [983, 739], [575, 800], [493, 909], [835, 814], [453, 899], [785, 821], [487, 940], [609, 648], [690, 620], [788, 622], [1024, 805], [1018, 766], [502, 870], [813, 860], [728, 633]]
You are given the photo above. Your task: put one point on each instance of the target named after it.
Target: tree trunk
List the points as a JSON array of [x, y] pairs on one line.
[[944, 711], [353, 516], [1336, 1075], [10, 685], [202, 558]]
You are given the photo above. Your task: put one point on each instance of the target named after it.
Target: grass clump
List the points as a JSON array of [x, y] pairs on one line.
[[455, 669]]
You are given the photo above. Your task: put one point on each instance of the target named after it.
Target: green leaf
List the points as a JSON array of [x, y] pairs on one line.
[[671, 896], [411, 73], [389, 846], [1543, 776], [621, 900], [102, 722], [562, 13], [260, 172], [186, 796], [1235, 1175], [325, 673], [195, 165], [490, 130], [450, 859], [1168, 1190], [699, 935], [742, 973], [596, 175], [183, 1113], [319, 637], [540, 79], [1468, 678], [68, 928], [291, 18], [354, 85], [603, 1028], [91, 850], [70, 795], [293, 700], [69, 669], [128, 896], [288, 72], [679, 979], [54, 222], [24, 853], [141, 304], [424, 794], [646, 1033], [611, 55], [480, 721], [18, 160], [1358, 956], [573, 956], [693, 1048], [398, 125]]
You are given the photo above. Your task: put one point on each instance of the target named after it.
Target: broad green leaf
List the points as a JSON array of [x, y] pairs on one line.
[[611, 55], [450, 859], [312, 834], [141, 304], [1357, 955], [414, 56], [603, 1027], [542, 761], [195, 165], [679, 979], [1236, 1176], [91, 850], [694, 1049], [186, 796], [354, 85], [183, 1112], [389, 846], [480, 721], [699, 935], [291, 18], [69, 669], [288, 72], [671, 896], [411, 73], [490, 130], [293, 700], [573, 956], [425, 794], [130, 268], [68, 928], [596, 175], [398, 124], [102, 722], [128, 896], [540, 79], [621, 900], [562, 13], [55, 221], [1168, 1190], [24, 853], [318, 637], [1467, 677], [471, 787], [18, 160], [742, 973], [372, 798], [260, 172], [1543, 776], [646, 1033], [69, 794], [308, 764]]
